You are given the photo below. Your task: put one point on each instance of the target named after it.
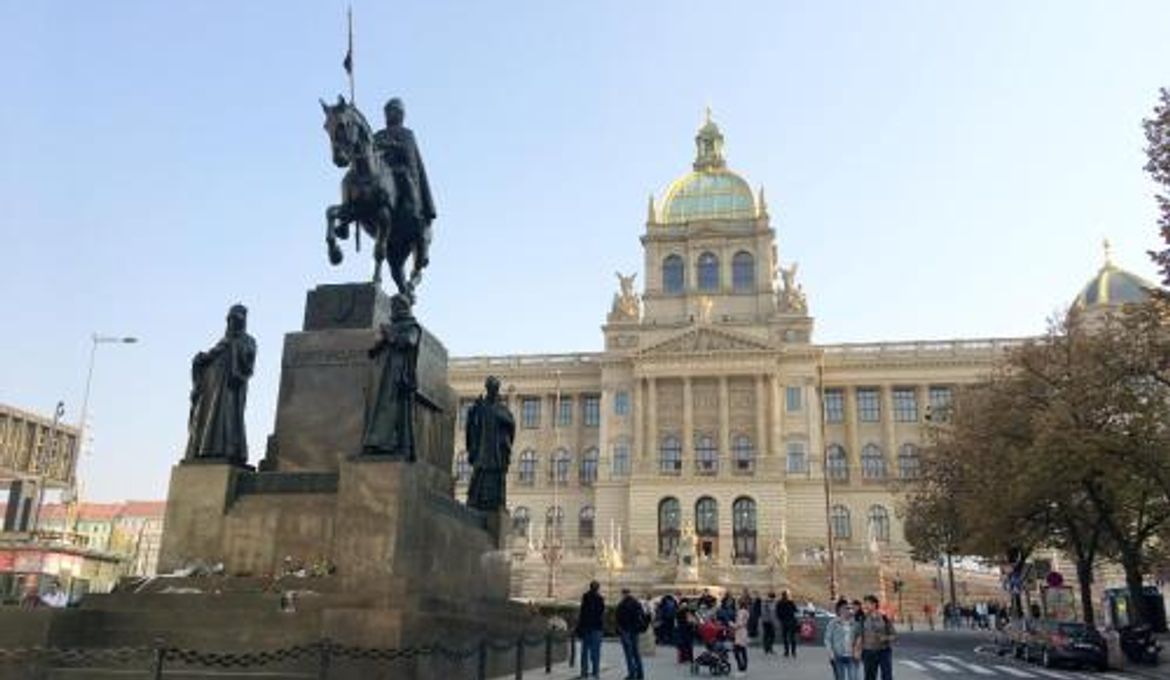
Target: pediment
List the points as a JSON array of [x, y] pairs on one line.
[[705, 340]]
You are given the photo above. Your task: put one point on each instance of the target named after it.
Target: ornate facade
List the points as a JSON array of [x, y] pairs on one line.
[[711, 412]]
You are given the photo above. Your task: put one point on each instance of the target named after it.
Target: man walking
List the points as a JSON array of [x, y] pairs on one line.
[[874, 644], [631, 621], [768, 621], [589, 626], [786, 614]]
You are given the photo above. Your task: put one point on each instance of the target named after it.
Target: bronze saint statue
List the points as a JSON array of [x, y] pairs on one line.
[[490, 430], [389, 425], [219, 393], [385, 192]]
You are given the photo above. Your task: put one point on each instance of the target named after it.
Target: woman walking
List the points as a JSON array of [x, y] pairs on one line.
[[742, 616]]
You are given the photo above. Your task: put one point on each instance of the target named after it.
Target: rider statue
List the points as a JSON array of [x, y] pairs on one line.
[[415, 209]]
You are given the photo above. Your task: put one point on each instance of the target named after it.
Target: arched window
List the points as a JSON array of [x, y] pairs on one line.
[[708, 271], [669, 523], [554, 521], [838, 463], [909, 464], [879, 523], [673, 274], [707, 526], [743, 453], [743, 513], [462, 468], [562, 460], [840, 523], [706, 455], [588, 471], [873, 463], [585, 524], [743, 272], [520, 519], [670, 455], [621, 458], [528, 467]]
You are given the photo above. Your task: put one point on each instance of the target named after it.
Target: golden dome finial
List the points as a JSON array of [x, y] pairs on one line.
[[651, 213], [707, 115], [1107, 247]]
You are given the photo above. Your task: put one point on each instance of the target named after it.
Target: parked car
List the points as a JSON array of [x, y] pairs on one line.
[[1054, 643]]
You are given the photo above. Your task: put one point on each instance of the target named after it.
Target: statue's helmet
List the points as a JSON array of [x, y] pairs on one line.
[[395, 109]]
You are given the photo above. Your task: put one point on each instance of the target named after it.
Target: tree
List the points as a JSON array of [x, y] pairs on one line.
[[1157, 130]]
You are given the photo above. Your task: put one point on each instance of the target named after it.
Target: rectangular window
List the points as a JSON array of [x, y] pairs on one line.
[[905, 405], [530, 412], [591, 410], [834, 406], [565, 412], [797, 460], [621, 403], [792, 398], [940, 403], [869, 405]]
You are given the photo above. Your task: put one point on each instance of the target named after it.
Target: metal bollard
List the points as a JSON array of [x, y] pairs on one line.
[[520, 658], [548, 652], [160, 655], [481, 662], [324, 658]]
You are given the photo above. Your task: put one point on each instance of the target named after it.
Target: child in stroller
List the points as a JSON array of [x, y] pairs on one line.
[[717, 640]]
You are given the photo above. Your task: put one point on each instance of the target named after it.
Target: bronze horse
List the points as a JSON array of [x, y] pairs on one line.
[[369, 198]]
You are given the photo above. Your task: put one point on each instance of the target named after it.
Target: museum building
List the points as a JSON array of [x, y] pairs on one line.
[[712, 418]]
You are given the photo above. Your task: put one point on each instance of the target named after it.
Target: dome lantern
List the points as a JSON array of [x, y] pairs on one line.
[[710, 191]]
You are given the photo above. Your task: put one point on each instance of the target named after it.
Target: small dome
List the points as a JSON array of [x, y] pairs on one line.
[[711, 191], [1113, 286]]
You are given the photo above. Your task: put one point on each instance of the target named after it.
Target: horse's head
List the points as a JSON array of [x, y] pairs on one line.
[[348, 131]]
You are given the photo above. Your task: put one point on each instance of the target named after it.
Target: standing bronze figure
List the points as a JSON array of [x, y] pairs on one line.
[[490, 431], [389, 424], [220, 392], [385, 192]]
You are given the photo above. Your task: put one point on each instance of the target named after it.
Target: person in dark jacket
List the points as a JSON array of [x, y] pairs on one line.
[[769, 621], [631, 621], [589, 627], [786, 615]]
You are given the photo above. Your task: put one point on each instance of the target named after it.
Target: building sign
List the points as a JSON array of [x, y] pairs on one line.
[[29, 561]]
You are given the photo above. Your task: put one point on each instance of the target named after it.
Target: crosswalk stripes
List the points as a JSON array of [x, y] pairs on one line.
[[943, 666], [913, 664], [1052, 674], [1015, 671], [974, 668]]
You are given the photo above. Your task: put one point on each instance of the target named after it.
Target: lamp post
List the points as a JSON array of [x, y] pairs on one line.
[[95, 340], [832, 548], [553, 548]]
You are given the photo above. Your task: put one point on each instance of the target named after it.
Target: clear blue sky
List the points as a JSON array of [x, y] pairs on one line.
[[939, 170]]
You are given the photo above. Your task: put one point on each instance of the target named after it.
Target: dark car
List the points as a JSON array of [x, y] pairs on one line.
[[1055, 643]]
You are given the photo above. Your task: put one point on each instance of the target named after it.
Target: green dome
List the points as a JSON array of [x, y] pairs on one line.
[[1113, 286], [708, 195], [711, 192]]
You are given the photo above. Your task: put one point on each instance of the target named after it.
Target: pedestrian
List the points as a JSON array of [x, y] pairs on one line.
[[839, 635], [667, 616], [757, 607], [589, 627], [631, 622], [55, 597], [786, 615], [874, 644], [743, 617], [769, 622], [684, 632], [928, 613]]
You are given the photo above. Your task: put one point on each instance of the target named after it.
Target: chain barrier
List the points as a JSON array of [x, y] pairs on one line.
[[322, 653]]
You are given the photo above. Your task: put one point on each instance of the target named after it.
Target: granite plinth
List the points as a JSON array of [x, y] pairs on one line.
[[346, 305]]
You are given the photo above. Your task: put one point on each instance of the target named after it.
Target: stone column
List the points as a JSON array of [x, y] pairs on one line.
[[639, 423], [852, 438], [688, 433], [652, 418], [777, 422], [888, 426], [761, 413], [724, 424]]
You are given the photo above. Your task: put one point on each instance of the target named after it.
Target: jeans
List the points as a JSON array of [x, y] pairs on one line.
[[874, 659], [740, 657], [633, 655], [591, 652], [769, 636], [844, 668], [788, 637]]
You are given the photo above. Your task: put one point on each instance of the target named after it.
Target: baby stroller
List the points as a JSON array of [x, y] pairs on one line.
[[717, 640]]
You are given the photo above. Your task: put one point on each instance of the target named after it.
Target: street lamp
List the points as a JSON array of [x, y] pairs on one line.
[[95, 340]]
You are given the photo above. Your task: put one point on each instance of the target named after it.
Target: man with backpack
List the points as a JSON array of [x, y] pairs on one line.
[[632, 621], [874, 641]]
